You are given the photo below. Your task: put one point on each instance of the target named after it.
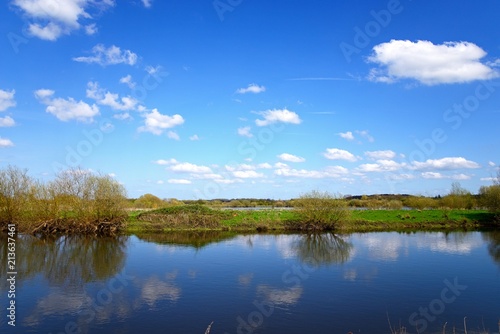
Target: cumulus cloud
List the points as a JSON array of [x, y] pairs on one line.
[[428, 63], [6, 122], [290, 158], [186, 167], [5, 142], [382, 166], [252, 88], [437, 176], [278, 115], [91, 29], [127, 80], [194, 137], [7, 99], [380, 155], [346, 135], [179, 181], [112, 55], [247, 174], [445, 164], [157, 123], [338, 154], [173, 135], [329, 172], [53, 18], [245, 132], [109, 99], [66, 109]]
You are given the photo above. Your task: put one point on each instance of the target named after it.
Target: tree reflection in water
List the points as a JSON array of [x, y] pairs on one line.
[[317, 249], [66, 261], [493, 238]]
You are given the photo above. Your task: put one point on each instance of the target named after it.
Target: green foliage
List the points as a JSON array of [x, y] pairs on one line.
[[321, 210], [149, 201], [490, 197]]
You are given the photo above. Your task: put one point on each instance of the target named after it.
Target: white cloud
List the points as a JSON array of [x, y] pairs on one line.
[[232, 168], [194, 137], [338, 154], [173, 135], [366, 135], [264, 165], [346, 135], [428, 63], [252, 88], [380, 155], [127, 80], [179, 181], [247, 174], [245, 132], [445, 164], [382, 166], [5, 142], [165, 162], [53, 18], [6, 122], [122, 116], [147, 3], [157, 123], [7, 99], [67, 109], [91, 29], [290, 158], [278, 115], [186, 167], [108, 56], [329, 172], [491, 164], [438, 176]]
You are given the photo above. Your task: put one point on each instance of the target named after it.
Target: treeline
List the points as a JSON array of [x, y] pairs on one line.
[[458, 198], [76, 201]]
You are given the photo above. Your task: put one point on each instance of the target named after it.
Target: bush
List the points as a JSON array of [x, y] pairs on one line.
[[490, 197], [321, 210]]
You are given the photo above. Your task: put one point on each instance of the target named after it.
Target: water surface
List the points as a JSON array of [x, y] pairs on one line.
[[323, 283]]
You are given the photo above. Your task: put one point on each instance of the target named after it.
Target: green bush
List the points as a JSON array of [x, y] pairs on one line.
[[490, 197], [321, 210]]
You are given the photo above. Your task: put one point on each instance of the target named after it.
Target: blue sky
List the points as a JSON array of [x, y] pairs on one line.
[[239, 98]]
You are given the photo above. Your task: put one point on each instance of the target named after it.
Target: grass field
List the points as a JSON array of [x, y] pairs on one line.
[[203, 218]]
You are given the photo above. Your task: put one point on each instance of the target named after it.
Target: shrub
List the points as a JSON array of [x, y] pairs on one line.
[[321, 210], [490, 197]]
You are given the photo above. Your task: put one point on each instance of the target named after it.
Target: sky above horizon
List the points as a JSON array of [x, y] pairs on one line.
[[236, 98]]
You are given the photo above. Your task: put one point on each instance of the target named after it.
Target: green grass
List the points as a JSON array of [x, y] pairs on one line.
[[199, 217]]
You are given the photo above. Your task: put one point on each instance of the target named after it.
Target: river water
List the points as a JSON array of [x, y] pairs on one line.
[[418, 282]]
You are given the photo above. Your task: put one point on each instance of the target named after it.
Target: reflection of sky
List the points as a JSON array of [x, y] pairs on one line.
[[224, 279], [277, 296]]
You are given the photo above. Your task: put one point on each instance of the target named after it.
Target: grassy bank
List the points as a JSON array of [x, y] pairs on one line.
[[198, 217]]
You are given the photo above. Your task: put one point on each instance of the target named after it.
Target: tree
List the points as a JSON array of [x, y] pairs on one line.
[[490, 195], [149, 201], [15, 187], [321, 210]]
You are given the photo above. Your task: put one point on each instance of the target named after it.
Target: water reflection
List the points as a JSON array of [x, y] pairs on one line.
[[195, 239], [66, 261], [322, 249], [493, 239]]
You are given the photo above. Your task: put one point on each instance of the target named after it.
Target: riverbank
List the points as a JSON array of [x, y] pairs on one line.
[[196, 217]]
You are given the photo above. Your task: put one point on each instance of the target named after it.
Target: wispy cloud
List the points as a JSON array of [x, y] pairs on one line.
[[252, 88], [112, 55], [338, 154], [7, 99], [290, 158]]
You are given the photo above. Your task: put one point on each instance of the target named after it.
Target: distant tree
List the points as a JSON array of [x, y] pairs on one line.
[[490, 195], [149, 201], [458, 198]]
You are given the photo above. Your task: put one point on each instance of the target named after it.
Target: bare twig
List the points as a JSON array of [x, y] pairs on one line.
[[208, 328]]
